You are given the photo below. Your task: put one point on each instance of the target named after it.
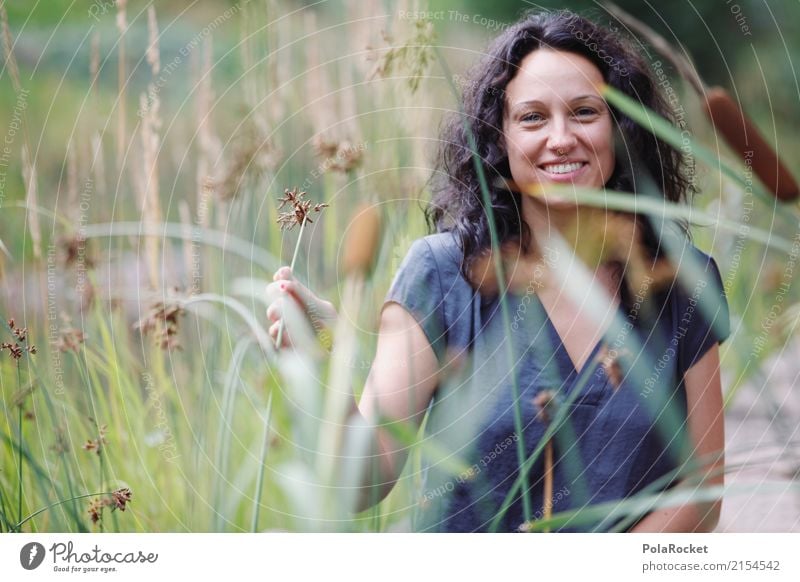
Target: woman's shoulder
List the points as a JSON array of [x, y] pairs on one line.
[[429, 285], [696, 271], [444, 246], [440, 251], [700, 307]]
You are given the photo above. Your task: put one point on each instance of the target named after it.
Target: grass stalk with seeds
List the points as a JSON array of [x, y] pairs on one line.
[[299, 214], [16, 350], [546, 404]]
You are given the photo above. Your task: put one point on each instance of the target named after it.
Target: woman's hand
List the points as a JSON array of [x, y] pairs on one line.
[[291, 302]]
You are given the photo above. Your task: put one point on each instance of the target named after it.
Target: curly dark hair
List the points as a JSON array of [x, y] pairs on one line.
[[457, 203]]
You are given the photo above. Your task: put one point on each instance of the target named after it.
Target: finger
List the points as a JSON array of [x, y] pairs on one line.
[[282, 273], [276, 291], [273, 333], [274, 311], [301, 293]]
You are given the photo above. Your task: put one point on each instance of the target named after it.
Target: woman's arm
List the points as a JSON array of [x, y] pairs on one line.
[[401, 383], [707, 433]]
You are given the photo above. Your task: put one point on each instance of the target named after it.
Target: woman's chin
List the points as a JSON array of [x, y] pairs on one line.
[[557, 201]]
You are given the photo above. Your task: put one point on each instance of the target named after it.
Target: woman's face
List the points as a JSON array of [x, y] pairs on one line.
[[557, 127]]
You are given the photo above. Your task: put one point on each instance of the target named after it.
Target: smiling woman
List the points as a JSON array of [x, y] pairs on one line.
[[568, 378]]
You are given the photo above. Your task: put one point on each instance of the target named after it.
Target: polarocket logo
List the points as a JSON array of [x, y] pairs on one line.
[[31, 555]]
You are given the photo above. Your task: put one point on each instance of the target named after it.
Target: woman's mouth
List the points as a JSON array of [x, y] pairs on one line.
[[563, 171]]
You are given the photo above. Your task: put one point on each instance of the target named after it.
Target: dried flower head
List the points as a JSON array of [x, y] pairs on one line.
[[117, 499], [69, 339], [252, 154], [20, 345], [13, 350], [546, 403], [98, 443], [342, 156], [323, 147], [301, 208], [74, 251], [95, 510], [410, 60], [610, 363], [120, 498], [162, 320]]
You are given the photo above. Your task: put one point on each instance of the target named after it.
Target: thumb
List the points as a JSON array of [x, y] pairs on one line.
[[285, 284]]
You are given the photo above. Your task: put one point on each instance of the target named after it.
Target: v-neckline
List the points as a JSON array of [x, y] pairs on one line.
[[560, 345]]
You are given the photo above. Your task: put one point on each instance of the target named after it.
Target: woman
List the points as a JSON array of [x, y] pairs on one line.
[[637, 379]]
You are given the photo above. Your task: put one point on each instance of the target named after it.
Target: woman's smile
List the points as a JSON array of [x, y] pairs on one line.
[[564, 171]]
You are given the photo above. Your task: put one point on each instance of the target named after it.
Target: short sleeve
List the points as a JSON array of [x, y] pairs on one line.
[[417, 287], [703, 315]]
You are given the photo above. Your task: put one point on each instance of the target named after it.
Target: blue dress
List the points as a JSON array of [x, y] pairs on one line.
[[609, 442]]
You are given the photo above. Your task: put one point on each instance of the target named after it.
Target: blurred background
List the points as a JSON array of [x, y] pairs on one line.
[[146, 145]]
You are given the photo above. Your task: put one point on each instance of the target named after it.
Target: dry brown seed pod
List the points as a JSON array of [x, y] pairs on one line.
[[744, 138], [362, 241]]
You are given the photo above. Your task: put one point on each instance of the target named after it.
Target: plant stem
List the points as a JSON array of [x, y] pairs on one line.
[[52, 505], [548, 482], [19, 439], [101, 480], [260, 480], [294, 259]]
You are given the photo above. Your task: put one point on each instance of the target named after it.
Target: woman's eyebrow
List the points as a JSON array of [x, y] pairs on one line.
[[536, 102], [588, 96], [527, 103]]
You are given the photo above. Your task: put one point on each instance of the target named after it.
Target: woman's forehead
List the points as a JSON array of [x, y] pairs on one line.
[[545, 71]]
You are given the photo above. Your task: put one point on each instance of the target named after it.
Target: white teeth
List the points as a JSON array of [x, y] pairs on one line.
[[563, 168]]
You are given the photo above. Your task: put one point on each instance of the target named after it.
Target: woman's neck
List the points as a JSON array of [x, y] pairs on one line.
[[581, 227], [584, 229]]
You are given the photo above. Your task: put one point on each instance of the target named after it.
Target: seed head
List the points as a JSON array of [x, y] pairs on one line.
[[340, 156], [610, 362], [363, 238], [98, 443], [162, 320], [411, 60], [95, 510], [301, 209], [20, 344], [69, 339], [546, 403], [120, 498]]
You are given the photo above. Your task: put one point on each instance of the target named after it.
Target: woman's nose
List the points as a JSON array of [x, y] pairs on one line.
[[561, 139]]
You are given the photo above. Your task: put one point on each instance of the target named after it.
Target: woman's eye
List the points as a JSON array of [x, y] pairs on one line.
[[585, 112], [532, 117]]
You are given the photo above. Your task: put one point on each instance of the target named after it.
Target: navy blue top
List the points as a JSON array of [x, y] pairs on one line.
[[613, 441]]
